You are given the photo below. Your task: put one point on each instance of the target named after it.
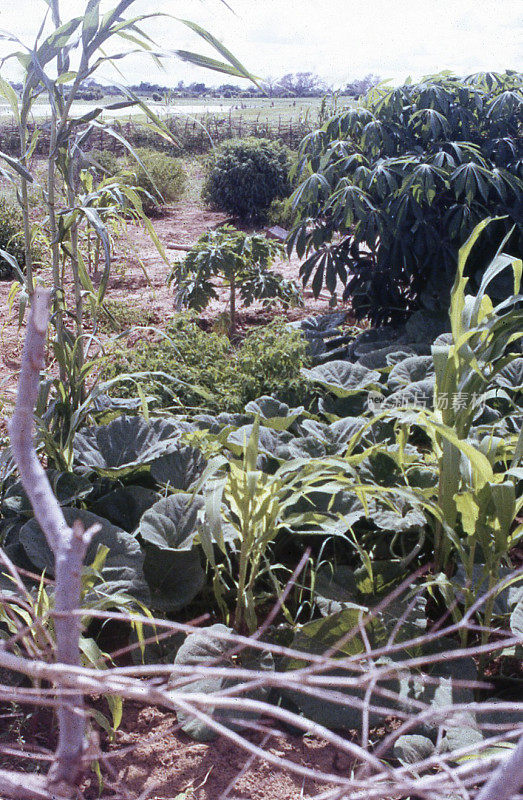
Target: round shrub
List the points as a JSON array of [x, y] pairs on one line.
[[246, 175], [163, 179], [12, 237]]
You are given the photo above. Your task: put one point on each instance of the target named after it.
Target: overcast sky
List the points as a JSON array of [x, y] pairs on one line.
[[338, 39]]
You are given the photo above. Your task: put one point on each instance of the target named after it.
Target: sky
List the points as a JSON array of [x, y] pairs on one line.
[[338, 39]]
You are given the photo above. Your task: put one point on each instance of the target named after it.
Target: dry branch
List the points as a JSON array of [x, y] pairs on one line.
[[507, 779], [21, 786], [68, 544]]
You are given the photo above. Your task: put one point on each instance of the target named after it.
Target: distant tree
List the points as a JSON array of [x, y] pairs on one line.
[[270, 84], [301, 84], [197, 88], [227, 90], [361, 86], [89, 94]]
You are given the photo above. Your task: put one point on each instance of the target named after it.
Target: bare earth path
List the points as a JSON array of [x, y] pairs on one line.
[[157, 763]]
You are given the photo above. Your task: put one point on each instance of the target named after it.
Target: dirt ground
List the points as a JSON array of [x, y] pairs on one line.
[[155, 762]]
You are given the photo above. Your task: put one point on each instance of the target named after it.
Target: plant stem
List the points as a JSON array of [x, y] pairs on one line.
[[232, 328], [79, 310], [25, 207], [241, 602], [55, 247]]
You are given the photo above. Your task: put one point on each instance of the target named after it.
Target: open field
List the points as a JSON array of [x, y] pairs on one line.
[[196, 124], [249, 108]]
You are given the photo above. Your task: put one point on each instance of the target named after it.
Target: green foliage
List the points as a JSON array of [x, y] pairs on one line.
[[246, 175], [282, 213], [242, 262], [31, 609], [172, 562], [12, 238], [124, 445], [483, 353], [104, 163], [117, 315], [463, 399], [270, 360], [161, 178], [366, 481], [267, 361], [207, 647], [396, 184]]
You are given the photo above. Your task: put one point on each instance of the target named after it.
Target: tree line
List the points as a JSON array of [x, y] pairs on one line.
[[299, 84]]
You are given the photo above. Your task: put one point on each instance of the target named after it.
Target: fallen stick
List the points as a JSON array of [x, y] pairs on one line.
[[186, 248]]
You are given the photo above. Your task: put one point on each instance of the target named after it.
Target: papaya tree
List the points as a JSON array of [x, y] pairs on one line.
[[393, 186], [242, 262]]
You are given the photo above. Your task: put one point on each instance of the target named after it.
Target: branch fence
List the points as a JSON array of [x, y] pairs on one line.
[[194, 135]]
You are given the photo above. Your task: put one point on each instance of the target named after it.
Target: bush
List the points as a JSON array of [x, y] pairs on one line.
[[118, 315], [145, 136], [12, 238], [268, 360], [399, 182], [109, 163], [163, 178], [282, 213], [246, 175]]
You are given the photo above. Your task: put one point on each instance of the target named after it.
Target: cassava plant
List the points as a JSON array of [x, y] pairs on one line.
[[393, 187], [242, 261]]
